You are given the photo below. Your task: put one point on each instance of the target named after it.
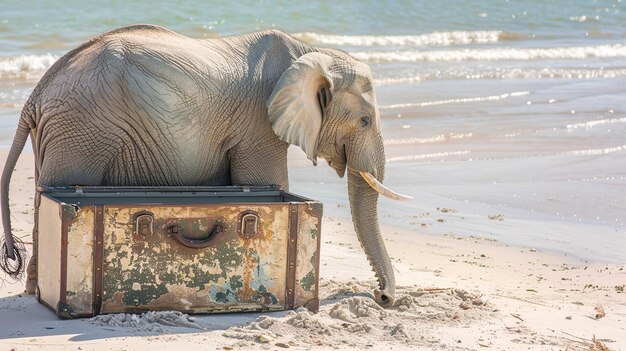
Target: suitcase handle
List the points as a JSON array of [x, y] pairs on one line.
[[178, 233]]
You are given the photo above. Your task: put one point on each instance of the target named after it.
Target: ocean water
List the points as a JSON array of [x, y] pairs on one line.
[[513, 107]]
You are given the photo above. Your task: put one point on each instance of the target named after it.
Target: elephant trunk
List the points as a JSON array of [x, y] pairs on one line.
[[363, 203]]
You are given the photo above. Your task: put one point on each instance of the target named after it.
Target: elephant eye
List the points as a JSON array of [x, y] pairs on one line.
[[365, 121]]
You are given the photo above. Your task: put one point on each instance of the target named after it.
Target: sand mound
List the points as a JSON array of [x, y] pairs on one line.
[[355, 320], [420, 318], [149, 321]]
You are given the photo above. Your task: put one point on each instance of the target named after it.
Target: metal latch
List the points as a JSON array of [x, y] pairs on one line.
[[248, 224], [144, 224]]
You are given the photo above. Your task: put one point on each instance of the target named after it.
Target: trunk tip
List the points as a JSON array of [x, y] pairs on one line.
[[384, 298]]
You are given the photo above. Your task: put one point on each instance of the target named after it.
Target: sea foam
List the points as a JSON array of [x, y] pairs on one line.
[[594, 123], [595, 152], [457, 101], [496, 54], [428, 39], [25, 66], [427, 156], [433, 139], [503, 73]]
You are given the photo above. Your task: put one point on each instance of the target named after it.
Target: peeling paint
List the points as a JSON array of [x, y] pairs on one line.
[[154, 270], [309, 225], [233, 272], [79, 288], [308, 281]]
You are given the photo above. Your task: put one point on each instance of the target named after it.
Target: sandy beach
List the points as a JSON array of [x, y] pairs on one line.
[[505, 121], [455, 292]]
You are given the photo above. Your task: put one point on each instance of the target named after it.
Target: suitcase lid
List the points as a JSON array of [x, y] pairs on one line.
[[174, 195]]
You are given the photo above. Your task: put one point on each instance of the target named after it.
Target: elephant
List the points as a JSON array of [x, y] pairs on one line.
[[145, 106]]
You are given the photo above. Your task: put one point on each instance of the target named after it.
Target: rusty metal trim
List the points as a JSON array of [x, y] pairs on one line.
[[97, 258], [318, 212], [65, 311], [65, 223], [292, 249], [241, 223], [140, 216], [53, 309], [175, 231], [313, 305], [68, 212]]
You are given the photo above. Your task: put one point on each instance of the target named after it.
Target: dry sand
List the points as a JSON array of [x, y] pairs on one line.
[[454, 292]]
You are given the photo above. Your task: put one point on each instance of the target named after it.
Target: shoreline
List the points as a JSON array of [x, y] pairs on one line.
[[454, 292], [464, 210], [429, 214]]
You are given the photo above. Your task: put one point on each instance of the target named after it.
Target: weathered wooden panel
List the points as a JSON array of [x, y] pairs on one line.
[[80, 235], [307, 259], [156, 272], [49, 260], [112, 250]]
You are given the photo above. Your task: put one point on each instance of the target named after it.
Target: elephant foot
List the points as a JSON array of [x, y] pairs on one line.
[[31, 276], [31, 285]]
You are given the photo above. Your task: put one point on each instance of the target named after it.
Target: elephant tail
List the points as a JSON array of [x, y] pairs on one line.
[[12, 256]]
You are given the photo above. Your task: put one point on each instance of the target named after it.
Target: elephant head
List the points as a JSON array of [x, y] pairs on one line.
[[325, 103]]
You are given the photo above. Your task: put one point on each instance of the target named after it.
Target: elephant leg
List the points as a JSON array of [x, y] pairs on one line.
[[260, 166], [31, 270]]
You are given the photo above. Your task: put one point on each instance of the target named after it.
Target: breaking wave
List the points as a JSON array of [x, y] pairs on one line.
[[14, 98], [595, 152], [427, 156], [513, 73], [457, 101], [428, 39], [597, 122], [496, 54], [25, 66], [434, 139]]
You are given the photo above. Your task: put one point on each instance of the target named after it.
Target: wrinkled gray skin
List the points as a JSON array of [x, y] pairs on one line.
[[143, 105]]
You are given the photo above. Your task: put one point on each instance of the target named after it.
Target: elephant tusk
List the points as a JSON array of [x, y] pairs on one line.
[[381, 189]]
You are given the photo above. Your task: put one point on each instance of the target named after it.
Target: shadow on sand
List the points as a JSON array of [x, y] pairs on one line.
[[21, 316]]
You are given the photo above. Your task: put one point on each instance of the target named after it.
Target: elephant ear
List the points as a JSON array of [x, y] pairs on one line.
[[299, 101]]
